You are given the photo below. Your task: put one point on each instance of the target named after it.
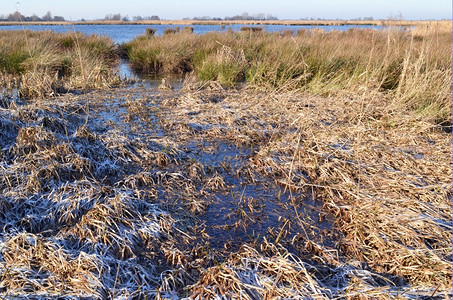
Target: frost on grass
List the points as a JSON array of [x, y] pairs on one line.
[[66, 231], [132, 193]]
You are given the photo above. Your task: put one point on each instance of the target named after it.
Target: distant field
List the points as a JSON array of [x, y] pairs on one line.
[[252, 22]]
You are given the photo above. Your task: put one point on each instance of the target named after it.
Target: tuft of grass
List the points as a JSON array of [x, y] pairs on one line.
[[45, 63], [10, 61], [187, 29], [170, 31], [150, 31], [251, 29]]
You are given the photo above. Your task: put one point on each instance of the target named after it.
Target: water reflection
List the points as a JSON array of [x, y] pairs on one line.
[[150, 80], [126, 71]]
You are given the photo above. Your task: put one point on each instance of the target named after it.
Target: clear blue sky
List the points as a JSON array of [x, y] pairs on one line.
[[283, 9]]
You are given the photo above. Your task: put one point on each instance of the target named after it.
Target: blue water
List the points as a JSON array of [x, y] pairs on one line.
[[125, 33]]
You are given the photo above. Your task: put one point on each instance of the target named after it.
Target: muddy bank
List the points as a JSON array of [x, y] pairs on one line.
[[203, 192]]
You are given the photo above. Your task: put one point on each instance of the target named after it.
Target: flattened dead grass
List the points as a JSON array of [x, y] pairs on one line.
[[107, 195], [384, 173]]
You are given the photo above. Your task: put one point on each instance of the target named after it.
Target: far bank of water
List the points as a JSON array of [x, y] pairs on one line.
[[125, 33]]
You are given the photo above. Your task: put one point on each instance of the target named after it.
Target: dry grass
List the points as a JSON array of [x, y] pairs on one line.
[[388, 184], [97, 202], [413, 67], [43, 64], [213, 193], [382, 172], [74, 222]]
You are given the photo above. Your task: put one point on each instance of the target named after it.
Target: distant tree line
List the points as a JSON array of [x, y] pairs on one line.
[[119, 17], [18, 17], [243, 17], [353, 19]]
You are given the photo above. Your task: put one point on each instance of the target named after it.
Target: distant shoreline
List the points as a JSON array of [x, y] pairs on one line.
[[235, 22]]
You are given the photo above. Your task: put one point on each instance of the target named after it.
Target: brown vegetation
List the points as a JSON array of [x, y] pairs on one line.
[[103, 185], [339, 187], [413, 67], [44, 63]]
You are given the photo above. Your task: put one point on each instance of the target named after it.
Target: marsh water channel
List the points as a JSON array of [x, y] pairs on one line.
[[192, 153], [233, 203], [203, 171]]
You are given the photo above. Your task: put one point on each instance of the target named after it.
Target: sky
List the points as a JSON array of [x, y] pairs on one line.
[[282, 9]]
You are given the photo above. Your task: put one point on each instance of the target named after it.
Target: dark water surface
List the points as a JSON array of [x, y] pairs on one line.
[[125, 33]]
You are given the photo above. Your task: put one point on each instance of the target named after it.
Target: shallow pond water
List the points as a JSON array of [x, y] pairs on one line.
[[125, 33], [150, 81], [212, 172]]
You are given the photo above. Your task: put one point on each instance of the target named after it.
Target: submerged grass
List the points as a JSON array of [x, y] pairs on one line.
[[45, 63], [413, 66]]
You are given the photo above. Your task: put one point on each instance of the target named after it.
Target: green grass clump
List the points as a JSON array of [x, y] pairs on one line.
[[10, 61]]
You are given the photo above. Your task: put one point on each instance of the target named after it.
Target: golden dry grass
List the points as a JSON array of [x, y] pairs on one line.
[[384, 173], [44, 63], [146, 193], [97, 201], [413, 67]]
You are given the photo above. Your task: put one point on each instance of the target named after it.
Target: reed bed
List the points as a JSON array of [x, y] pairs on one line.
[[413, 66], [40, 64]]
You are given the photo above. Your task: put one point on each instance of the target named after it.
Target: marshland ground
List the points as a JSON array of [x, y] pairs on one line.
[[309, 165]]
